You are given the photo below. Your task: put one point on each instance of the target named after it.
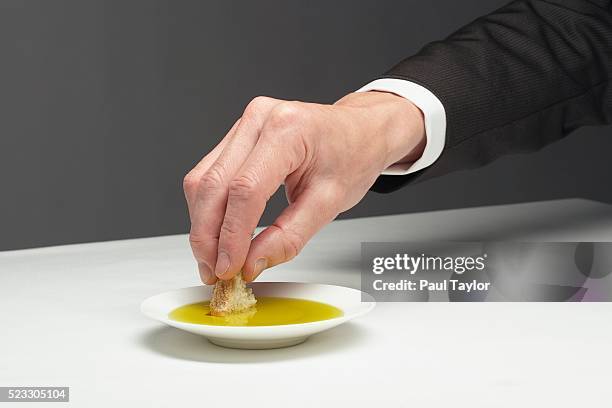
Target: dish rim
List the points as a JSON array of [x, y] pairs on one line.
[[367, 306]]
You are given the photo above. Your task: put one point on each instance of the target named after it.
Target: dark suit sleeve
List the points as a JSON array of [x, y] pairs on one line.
[[515, 80]]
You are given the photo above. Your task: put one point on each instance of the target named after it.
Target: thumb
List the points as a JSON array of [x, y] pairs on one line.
[[285, 238]]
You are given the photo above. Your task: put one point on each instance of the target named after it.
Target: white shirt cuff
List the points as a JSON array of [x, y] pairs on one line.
[[433, 113]]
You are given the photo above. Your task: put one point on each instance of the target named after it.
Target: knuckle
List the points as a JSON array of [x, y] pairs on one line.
[[337, 189], [332, 192], [190, 183], [212, 179], [230, 226], [243, 187], [256, 106], [292, 242], [201, 241], [285, 115], [196, 241]]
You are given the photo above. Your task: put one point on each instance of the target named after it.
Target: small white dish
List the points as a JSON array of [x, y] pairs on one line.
[[262, 337]]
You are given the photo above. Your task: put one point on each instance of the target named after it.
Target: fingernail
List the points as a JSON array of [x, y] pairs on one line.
[[223, 264], [260, 265], [205, 272]]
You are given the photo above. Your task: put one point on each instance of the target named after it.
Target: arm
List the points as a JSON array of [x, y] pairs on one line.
[[515, 80]]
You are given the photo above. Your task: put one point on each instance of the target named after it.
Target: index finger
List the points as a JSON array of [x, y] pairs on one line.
[[277, 154]]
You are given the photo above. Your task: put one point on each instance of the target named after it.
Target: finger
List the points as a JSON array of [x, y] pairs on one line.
[[211, 198], [277, 154], [191, 185], [285, 238]]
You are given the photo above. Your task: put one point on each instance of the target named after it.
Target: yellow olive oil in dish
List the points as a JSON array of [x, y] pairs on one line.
[[269, 311]]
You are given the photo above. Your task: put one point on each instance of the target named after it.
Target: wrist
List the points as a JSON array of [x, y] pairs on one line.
[[398, 121]]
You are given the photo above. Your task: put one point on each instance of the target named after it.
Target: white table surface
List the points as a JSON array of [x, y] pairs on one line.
[[69, 316]]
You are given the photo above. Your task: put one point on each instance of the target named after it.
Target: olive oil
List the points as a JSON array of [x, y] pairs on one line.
[[269, 311]]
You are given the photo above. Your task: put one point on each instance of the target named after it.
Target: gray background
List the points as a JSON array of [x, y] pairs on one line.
[[105, 105]]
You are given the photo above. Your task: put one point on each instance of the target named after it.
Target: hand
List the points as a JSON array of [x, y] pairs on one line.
[[328, 156]]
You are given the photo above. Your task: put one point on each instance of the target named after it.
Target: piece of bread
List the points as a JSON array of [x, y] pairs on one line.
[[231, 296]]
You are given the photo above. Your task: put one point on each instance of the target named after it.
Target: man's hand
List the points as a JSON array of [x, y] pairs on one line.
[[328, 156]]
